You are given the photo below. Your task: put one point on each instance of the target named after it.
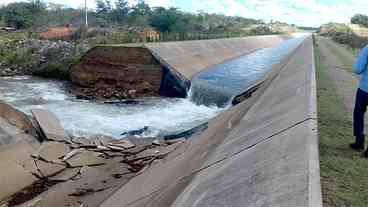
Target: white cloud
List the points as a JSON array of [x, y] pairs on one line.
[[306, 12]]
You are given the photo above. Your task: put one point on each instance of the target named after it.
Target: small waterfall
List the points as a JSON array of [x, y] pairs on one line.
[[203, 92]]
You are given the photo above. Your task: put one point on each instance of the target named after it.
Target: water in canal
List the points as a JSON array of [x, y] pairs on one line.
[[210, 94]]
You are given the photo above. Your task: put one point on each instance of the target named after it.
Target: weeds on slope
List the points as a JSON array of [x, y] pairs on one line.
[[344, 173]]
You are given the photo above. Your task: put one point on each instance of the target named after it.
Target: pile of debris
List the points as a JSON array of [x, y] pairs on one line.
[[72, 171]]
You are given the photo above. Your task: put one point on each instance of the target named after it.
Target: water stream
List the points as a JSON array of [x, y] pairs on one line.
[[221, 83], [210, 94]]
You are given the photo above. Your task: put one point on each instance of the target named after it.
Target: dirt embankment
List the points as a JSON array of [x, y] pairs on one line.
[[117, 73]]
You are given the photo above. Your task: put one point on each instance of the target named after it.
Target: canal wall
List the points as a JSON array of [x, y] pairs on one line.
[[156, 69], [262, 152]]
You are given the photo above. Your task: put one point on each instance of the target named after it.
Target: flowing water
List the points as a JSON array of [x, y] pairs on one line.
[[210, 94], [221, 83]]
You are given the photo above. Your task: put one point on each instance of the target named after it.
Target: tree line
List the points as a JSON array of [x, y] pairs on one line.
[[36, 13]]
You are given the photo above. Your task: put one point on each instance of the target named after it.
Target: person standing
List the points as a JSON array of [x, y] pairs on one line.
[[361, 103]]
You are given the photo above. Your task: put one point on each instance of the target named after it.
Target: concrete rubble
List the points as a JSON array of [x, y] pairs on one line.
[[68, 171]]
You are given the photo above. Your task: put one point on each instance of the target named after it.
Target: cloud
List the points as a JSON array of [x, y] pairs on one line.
[[306, 12]]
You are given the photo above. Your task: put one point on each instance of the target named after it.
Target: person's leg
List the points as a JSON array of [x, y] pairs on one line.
[[359, 111]]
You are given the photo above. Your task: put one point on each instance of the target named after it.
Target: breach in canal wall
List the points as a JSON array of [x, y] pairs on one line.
[[156, 69], [262, 152]]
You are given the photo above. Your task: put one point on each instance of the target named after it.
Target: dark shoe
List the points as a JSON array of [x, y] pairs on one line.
[[357, 147], [365, 154]]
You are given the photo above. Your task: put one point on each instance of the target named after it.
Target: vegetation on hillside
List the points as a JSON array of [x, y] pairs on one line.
[[23, 15], [360, 19], [118, 23], [345, 33]]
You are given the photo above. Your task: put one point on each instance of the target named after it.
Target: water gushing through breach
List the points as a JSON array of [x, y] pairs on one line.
[[163, 116], [210, 94]]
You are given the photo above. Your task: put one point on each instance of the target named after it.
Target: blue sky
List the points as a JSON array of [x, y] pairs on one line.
[[300, 12]]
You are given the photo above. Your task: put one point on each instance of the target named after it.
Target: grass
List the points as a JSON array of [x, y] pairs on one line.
[[345, 54], [344, 173]]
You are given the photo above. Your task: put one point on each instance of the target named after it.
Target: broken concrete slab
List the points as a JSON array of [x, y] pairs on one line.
[[148, 153], [18, 152], [124, 143], [50, 125], [52, 151], [66, 175], [173, 141], [101, 140], [81, 140], [13, 178], [71, 154], [49, 169], [94, 185], [86, 158], [31, 167]]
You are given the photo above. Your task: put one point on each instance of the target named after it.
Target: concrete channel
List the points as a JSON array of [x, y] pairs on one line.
[[261, 152]]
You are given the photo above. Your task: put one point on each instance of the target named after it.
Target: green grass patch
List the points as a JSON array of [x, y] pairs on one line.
[[344, 173], [345, 53]]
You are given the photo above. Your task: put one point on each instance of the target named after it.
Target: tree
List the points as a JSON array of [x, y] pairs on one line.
[[170, 20], [140, 14], [104, 11], [360, 19], [122, 10], [103, 7], [24, 14]]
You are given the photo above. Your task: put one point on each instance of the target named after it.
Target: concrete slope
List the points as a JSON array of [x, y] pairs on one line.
[[188, 58], [271, 157], [263, 152]]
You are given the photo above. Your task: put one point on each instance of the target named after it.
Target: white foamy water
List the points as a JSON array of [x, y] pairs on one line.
[[82, 118]]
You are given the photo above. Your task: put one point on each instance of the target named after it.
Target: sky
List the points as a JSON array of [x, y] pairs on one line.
[[299, 12]]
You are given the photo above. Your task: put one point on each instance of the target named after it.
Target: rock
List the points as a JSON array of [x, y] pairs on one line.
[[86, 158], [50, 125], [17, 118]]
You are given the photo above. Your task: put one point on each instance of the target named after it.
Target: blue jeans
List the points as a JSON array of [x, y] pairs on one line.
[[360, 108]]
